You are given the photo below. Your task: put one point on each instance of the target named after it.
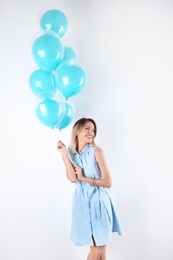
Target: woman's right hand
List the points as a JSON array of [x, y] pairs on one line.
[[60, 146]]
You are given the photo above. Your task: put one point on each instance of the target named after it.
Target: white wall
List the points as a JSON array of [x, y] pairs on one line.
[[126, 48]]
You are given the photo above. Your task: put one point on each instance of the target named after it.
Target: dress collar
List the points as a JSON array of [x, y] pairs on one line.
[[86, 148]]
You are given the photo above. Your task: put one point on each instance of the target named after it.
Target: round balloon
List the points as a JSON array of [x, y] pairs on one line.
[[54, 20], [42, 83], [67, 118], [70, 79], [48, 51], [50, 112], [69, 54]]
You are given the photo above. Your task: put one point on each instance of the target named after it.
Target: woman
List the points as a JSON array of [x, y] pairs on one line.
[[94, 217]]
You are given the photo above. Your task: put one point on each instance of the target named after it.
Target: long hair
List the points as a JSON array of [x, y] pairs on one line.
[[74, 138]]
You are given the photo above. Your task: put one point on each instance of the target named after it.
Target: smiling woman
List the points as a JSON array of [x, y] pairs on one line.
[[94, 217], [126, 48]]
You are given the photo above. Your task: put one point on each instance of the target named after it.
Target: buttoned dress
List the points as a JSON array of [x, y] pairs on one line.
[[93, 211]]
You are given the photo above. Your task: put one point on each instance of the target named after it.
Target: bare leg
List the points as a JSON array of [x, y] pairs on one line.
[[103, 256], [97, 252]]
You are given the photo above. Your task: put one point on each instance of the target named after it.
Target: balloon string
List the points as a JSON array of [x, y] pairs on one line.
[[59, 131], [69, 156], [65, 148]]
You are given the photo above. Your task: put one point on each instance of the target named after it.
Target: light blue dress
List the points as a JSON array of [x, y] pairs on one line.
[[93, 210]]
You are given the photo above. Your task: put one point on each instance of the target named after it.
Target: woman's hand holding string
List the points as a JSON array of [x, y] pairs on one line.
[[78, 172], [60, 146]]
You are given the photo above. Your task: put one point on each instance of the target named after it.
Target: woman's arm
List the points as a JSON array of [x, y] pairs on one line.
[[106, 180], [70, 172]]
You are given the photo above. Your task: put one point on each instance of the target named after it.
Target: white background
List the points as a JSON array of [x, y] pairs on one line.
[[126, 48]]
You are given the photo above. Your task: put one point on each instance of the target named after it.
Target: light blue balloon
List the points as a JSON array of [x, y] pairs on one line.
[[54, 20], [67, 118], [48, 51], [69, 54], [42, 83], [70, 79], [50, 112]]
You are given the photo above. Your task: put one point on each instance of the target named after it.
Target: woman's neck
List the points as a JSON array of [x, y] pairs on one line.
[[81, 147]]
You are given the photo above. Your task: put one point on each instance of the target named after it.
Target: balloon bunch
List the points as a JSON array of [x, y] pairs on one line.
[[58, 76]]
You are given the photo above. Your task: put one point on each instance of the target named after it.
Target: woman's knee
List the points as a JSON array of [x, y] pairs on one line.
[[98, 251]]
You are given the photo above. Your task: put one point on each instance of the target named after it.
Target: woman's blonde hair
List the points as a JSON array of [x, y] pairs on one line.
[[74, 139]]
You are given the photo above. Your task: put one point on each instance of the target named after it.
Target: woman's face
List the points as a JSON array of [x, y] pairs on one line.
[[87, 132]]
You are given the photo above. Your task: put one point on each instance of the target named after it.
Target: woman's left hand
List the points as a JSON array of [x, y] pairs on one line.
[[78, 172]]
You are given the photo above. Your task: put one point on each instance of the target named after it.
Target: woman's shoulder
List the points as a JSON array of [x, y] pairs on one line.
[[96, 148]]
